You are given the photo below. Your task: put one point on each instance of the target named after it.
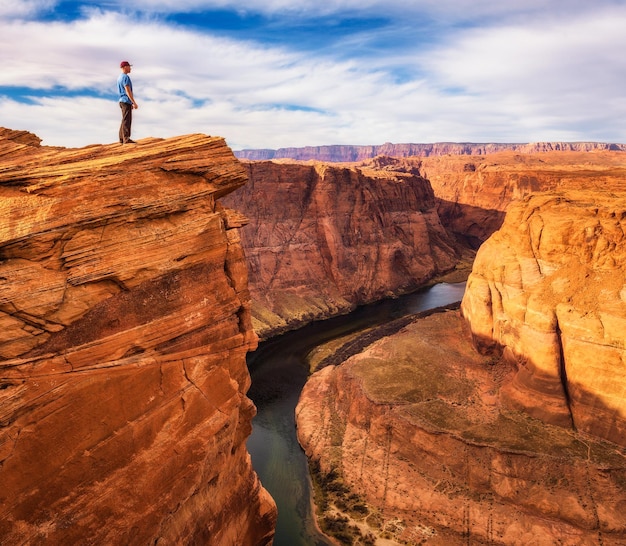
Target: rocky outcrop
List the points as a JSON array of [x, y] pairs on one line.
[[348, 153], [474, 192], [124, 325], [323, 239], [412, 440], [549, 288], [522, 441]]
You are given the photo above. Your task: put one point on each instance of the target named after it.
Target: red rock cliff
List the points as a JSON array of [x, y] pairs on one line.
[[474, 191], [324, 238], [522, 441], [550, 289], [411, 434], [124, 325]]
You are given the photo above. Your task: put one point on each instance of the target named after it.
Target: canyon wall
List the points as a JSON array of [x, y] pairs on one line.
[[414, 447], [322, 239], [549, 288], [348, 153], [124, 327], [521, 441], [473, 192]]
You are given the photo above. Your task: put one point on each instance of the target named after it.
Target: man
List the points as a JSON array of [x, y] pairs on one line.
[[127, 102]]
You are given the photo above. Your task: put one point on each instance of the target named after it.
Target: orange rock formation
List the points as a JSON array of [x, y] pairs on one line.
[[522, 441], [124, 325], [550, 288], [414, 428], [474, 191], [325, 238]]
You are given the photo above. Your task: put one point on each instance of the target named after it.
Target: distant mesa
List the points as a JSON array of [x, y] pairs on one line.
[[349, 153]]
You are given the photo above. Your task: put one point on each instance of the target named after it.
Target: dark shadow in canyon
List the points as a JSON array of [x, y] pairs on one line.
[[583, 410], [471, 225]]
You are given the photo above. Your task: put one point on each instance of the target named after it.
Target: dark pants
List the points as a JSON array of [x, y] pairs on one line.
[[127, 119]]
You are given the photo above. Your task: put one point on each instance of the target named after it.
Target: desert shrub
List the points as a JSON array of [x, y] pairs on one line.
[[338, 528]]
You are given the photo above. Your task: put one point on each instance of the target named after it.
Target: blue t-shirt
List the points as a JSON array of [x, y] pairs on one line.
[[122, 81]]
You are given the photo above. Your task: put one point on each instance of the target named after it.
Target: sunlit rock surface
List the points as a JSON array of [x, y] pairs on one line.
[[550, 289], [504, 423], [325, 238], [124, 325], [473, 191], [413, 428]]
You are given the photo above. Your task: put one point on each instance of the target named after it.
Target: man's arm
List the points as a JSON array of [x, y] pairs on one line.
[[129, 92]]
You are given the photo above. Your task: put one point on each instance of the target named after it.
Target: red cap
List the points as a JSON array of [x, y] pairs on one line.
[[125, 63]]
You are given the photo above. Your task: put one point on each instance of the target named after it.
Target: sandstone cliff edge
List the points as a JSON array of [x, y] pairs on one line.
[[124, 325], [522, 441]]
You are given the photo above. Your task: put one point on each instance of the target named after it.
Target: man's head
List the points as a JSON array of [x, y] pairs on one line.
[[125, 66]]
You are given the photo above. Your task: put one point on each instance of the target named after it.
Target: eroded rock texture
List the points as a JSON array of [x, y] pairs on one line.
[[414, 428], [473, 191], [124, 325], [323, 239], [522, 441], [550, 288]]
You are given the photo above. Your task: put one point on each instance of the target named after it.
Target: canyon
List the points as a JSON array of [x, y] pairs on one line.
[[322, 239], [135, 280], [502, 422], [124, 328]]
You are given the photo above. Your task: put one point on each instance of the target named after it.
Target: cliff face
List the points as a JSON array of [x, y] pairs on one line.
[[124, 325], [347, 153], [473, 192], [411, 436], [522, 441], [323, 239], [550, 289]]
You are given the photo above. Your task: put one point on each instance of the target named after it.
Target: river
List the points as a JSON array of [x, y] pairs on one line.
[[279, 371]]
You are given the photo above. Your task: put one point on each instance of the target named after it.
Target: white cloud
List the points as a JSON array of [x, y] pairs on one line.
[[551, 74], [554, 79]]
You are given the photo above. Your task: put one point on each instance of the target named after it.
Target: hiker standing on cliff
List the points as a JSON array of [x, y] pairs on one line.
[[127, 102]]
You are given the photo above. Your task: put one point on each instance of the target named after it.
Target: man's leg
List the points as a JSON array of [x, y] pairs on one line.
[[127, 118]]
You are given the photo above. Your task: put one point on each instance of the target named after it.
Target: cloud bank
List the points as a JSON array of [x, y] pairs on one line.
[[283, 73]]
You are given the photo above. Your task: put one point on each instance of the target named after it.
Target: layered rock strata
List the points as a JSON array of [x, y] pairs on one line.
[[413, 431], [521, 441], [348, 153], [124, 325], [549, 288], [473, 192], [323, 239]]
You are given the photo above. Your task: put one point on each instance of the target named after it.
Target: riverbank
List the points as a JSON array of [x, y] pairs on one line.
[[339, 349], [410, 444], [269, 325], [279, 370]]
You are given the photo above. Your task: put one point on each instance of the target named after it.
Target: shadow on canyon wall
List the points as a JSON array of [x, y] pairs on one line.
[[553, 399], [417, 426], [471, 225]]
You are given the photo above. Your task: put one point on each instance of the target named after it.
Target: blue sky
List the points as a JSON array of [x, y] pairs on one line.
[[279, 73]]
